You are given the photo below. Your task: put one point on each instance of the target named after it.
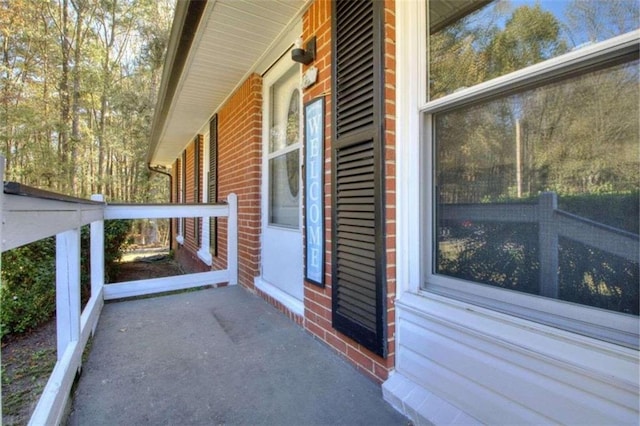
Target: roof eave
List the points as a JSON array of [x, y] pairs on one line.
[[186, 21]]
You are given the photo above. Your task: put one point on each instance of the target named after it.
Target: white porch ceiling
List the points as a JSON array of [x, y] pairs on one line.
[[233, 38]]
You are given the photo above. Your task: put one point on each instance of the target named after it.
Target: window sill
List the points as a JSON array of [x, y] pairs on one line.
[[602, 360], [602, 325]]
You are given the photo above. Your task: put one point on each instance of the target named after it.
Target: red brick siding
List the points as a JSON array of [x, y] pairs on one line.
[[239, 171], [390, 175], [239, 165], [187, 252], [317, 21]]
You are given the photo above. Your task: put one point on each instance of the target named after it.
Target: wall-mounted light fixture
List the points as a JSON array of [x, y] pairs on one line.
[[306, 55]]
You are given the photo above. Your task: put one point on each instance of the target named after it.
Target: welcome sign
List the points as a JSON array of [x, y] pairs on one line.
[[314, 190]]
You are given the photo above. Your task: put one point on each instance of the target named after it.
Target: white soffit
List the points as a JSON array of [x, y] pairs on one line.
[[233, 36]]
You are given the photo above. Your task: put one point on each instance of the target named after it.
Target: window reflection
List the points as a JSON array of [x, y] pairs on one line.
[[502, 164], [471, 41]]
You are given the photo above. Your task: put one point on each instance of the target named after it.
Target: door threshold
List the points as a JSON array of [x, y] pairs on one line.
[[296, 306]]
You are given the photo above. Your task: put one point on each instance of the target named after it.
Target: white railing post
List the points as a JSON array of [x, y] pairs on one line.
[[548, 244], [232, 239], [97, 252], [67, 288]]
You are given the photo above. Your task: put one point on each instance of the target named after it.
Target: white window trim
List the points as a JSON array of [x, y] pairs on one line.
[[181, 198], [275, 73], [203, 251], [409, 64], [548, 70], [413, 253]]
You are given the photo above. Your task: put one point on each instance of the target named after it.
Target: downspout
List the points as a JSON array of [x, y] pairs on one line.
[[163, 172]]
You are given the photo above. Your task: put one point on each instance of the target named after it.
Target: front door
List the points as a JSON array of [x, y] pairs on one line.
[[282, 268]]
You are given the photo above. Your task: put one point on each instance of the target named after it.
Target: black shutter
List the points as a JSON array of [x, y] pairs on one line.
[[196, 187], [359, 278], [176, 198], [183, 191], [213, 182]]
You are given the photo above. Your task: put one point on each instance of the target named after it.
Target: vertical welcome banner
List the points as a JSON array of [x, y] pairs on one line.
[[314, 190]]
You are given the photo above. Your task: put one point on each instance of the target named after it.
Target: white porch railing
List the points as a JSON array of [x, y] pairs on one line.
[[29, 215]]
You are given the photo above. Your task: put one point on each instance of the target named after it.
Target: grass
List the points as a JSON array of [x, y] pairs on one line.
[[24, 376]]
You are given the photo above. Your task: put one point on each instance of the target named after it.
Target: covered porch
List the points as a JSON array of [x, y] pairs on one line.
[[206, 356], [217, 356]]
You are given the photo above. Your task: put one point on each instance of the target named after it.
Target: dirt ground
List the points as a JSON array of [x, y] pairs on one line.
[[28, 359]]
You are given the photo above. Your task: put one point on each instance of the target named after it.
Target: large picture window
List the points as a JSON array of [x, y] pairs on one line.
[[534, 156]]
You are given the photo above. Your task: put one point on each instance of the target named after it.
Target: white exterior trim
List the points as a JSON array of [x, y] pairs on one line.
[[275, 73], [420, 405], [40, 218], [408, 99], [552, 68], [167, 211], [294, 305], [203, 251], [204, 255], [457, 363], [500, 369], [160, 285]]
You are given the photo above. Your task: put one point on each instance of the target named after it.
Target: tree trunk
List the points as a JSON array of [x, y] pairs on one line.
[[63, 128]]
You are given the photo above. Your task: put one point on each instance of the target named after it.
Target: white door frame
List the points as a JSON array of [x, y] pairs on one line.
[[294, 304]]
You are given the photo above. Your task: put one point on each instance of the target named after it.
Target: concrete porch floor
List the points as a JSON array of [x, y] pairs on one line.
[[217, 356]]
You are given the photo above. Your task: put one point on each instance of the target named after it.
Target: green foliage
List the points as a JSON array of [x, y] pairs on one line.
[[28, 286], [116, 239], [28, 276], [530, 36], [78, 82], [574, 136], [617, 210]]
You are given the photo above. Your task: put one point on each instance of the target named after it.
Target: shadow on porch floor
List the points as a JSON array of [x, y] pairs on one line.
[[217, 356]]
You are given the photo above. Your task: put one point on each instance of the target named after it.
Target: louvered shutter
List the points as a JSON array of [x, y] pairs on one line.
[[213, 182], [196, 186], [183, 191], [358, 273]]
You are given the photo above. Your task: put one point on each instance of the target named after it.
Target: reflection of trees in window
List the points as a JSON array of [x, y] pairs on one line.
[[498, 39], [583, 137], [476, 48], [578, 137], [592, 21], [293, 136], [596, 278]]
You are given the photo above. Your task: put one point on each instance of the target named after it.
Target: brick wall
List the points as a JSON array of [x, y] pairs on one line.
[[239, 168], [317, 21], [390, 174], [239, 171], [186, 253], [239, 165]]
